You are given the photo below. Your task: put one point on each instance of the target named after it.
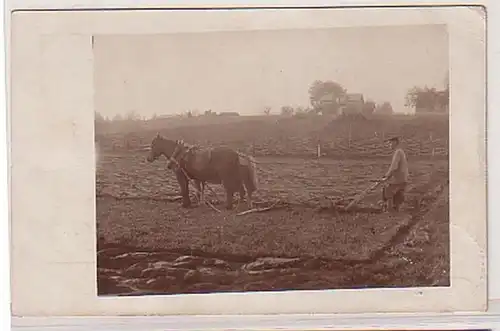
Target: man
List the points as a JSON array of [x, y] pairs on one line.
[[393, 194]]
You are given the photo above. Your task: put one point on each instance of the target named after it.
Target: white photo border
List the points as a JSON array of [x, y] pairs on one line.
[[59, 230]]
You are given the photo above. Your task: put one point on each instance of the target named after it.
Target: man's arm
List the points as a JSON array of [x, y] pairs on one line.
[[394, 165]]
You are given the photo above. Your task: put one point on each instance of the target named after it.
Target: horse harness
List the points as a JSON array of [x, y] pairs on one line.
[[182, 151]]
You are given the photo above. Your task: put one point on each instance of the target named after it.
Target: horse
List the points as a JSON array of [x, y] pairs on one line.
[[218, 165], [185, 152]]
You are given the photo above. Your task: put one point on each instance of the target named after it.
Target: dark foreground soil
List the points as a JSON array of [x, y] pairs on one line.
[[148, 244], [414, 251]]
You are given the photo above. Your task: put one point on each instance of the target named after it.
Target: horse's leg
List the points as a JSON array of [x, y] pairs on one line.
[[248, 185], [229, 198], [249, 202], [184, 185], [242, 192], [230, 176], [198, 192], [229, 186], [202, 192]]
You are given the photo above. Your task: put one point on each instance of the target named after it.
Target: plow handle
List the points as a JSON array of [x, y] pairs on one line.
[[363, 194]]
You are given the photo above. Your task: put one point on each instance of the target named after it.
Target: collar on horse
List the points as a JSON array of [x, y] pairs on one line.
[[182, 151]]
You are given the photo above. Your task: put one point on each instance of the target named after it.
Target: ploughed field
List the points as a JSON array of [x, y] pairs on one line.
[[292, 137], [147, 243]]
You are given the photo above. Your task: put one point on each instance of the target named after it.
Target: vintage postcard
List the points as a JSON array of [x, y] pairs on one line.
[[286, 129], [249, 161]]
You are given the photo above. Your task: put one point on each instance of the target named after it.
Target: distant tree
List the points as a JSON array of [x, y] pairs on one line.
[[369, 107], [287, 110], [329, 89], [384, 109], [191, 113], [427, 99], [418, 97], [132, 116], [444, 98], [210, 113], [413, 97], [267, 110], [117, 117], [300, 110], [99, 118]]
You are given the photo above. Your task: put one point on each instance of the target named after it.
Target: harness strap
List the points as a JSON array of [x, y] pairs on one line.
[[181, 155]]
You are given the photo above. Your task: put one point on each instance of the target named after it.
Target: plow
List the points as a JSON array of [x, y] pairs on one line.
[[279, 203], [363, 194]]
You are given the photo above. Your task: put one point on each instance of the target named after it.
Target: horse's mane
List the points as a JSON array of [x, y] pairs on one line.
[[162, 138], [178, 142]]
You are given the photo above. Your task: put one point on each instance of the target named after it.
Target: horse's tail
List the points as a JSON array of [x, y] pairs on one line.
[[250, 175]]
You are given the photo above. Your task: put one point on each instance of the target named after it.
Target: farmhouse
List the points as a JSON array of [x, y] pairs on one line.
[[351, 103], [327, 99], [439, 104]]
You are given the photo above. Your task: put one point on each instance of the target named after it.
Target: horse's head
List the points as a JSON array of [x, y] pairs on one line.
[[174, 158], [160, 146]]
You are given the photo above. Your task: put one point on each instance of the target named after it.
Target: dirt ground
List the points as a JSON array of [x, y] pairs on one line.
[[147, 243]]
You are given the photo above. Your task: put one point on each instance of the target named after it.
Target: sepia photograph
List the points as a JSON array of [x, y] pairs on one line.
[[272, 160], [248, 162]]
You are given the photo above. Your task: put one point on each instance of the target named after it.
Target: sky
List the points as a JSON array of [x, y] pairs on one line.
[[246, 71]]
